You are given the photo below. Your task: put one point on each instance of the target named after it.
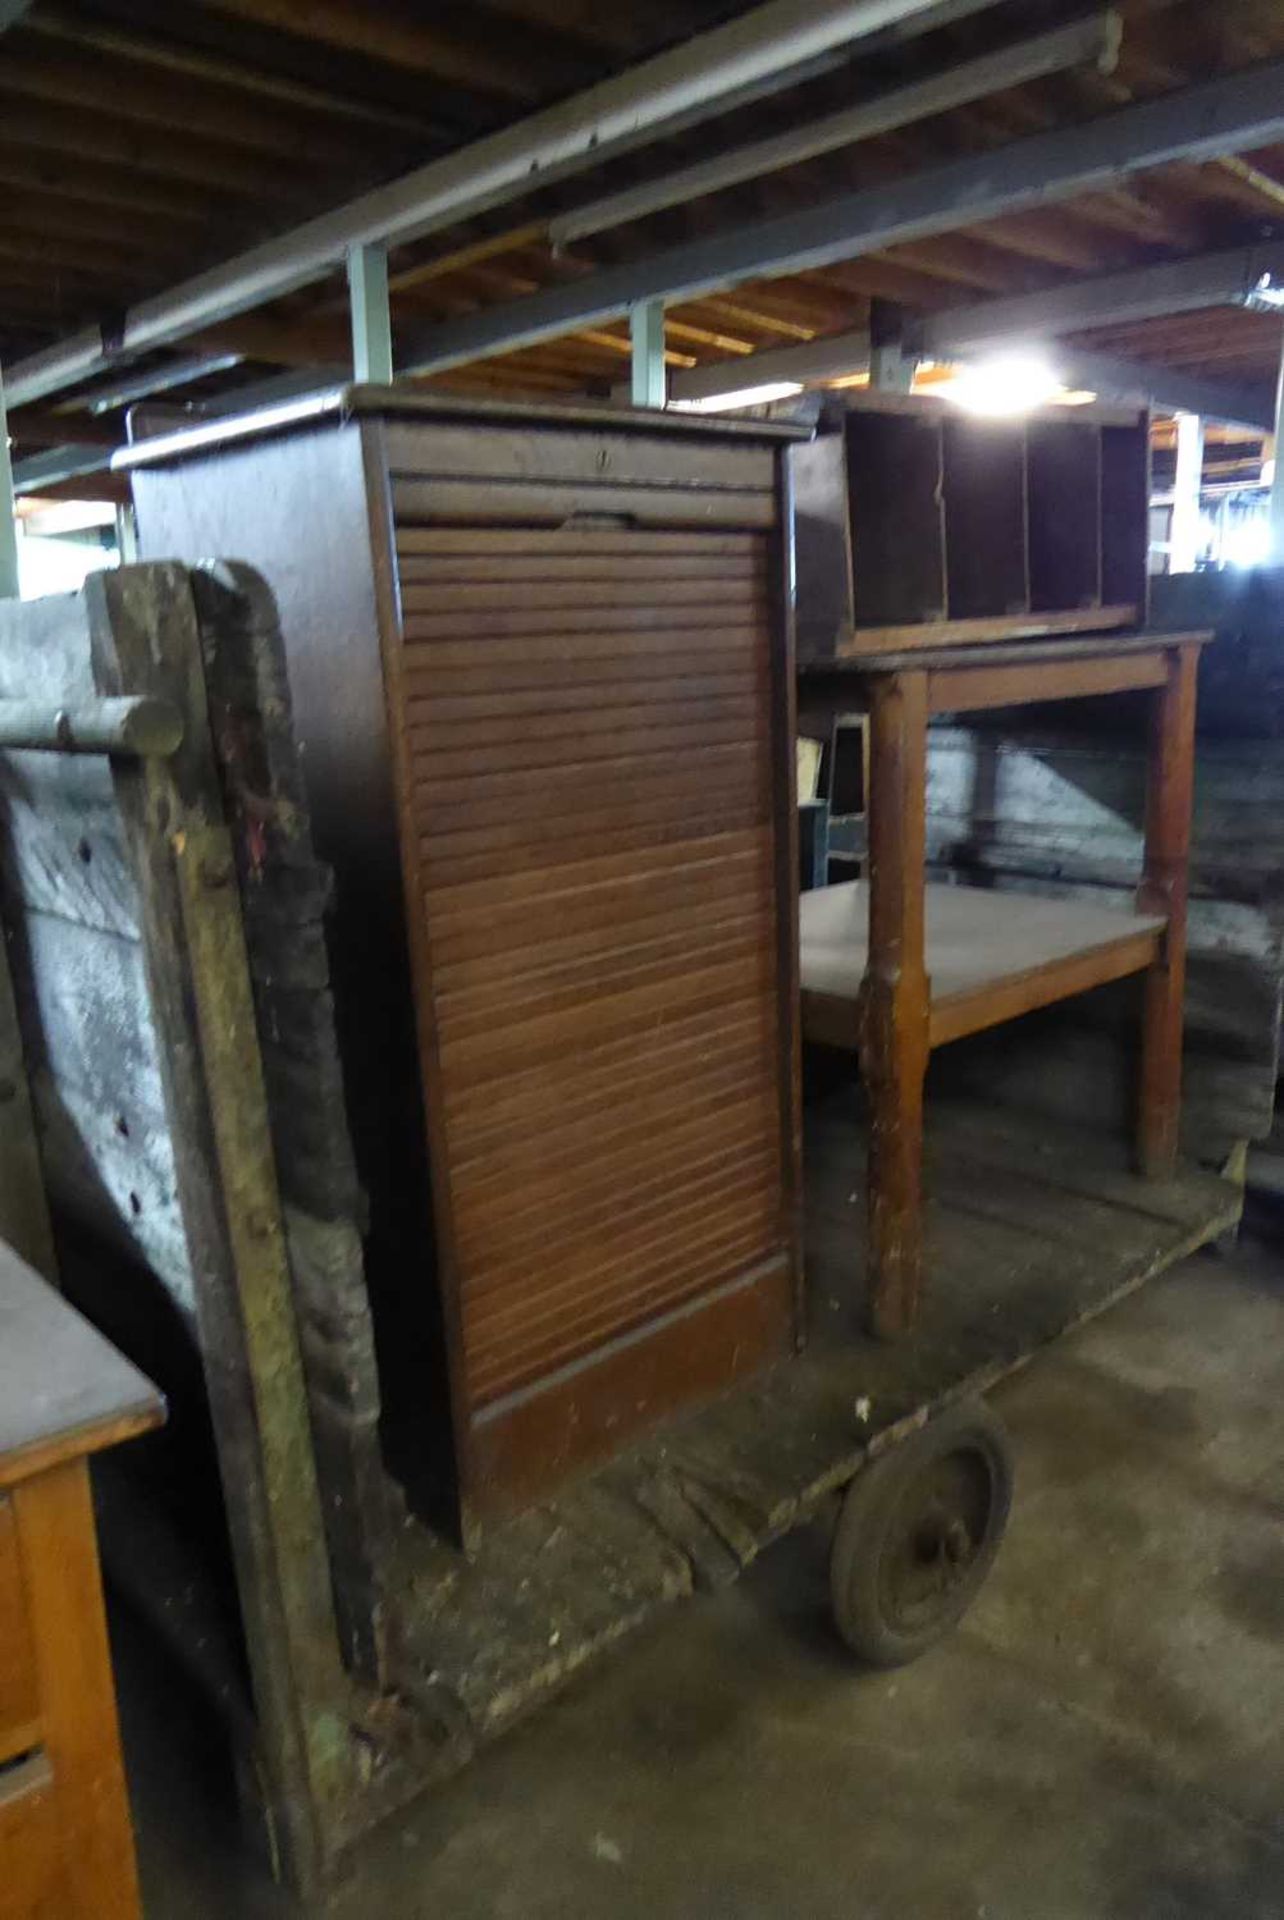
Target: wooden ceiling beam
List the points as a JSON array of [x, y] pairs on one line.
[[197, 109], [455, 44], [277, 55], [64, 177], [1239, 111], [74, 252], [167, 55], [95, 136], [279, 342], [41, 427]]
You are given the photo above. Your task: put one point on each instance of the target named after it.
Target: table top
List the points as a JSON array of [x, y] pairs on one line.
[[64, 1389]]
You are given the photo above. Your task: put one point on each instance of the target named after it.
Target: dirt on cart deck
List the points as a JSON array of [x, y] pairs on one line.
[[1032, 1228]]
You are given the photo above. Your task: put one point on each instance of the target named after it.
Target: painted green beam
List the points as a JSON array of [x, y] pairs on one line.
[[646, 333], [371, 316], [1231, 113], [8, 522]]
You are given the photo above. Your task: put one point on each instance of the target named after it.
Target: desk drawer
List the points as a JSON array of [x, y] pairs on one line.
[[19, 1704], [29, 1878]]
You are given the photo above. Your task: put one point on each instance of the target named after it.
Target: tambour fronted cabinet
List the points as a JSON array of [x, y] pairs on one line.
[[539, 668]]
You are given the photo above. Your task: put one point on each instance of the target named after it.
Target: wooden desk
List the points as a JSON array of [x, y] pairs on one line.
[[1015, 955], [66, 1849]]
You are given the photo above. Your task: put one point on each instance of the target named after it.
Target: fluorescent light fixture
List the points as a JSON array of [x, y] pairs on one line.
[[1010, 383], [742, 397]]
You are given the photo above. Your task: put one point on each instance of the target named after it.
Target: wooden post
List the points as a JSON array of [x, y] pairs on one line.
[[895, 998], [1170, 784], [145, 639]]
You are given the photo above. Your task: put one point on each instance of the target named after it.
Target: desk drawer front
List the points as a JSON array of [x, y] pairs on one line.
[[19, 1708]]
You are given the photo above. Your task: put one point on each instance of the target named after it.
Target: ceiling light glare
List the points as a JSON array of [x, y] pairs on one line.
[[742, 397], [1010, 384]]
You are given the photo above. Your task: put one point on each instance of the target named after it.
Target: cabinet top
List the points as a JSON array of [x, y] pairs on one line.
[[341, 404], [64, 1389]]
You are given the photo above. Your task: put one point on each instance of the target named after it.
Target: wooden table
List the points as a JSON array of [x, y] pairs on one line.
[[898, 968], [66, 1849]]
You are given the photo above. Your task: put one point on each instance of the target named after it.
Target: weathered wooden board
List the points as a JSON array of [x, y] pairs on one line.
[[71, 914], [1031, 1229], [285, 896]]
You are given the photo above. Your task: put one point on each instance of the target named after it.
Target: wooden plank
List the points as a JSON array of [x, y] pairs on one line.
[[1063, 467], [1125, 514], [577, 565], [983, 501], [519, 622], [822, 545], [978, 942], [984, 630], [286, 897], [1052, 651], [894, 481], [505, 454], [552, 546], [145, 638], [1020, 993], [611, 596], [968, 689], [546, 1435], [423, 502]]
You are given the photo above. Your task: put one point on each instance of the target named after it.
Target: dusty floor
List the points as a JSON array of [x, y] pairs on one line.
[[1103, 1738]]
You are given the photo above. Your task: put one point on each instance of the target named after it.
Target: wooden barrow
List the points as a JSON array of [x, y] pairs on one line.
[[168, 1030]]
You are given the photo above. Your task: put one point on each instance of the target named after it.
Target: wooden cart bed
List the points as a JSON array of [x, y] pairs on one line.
[[989, 955], [1032, 1228]]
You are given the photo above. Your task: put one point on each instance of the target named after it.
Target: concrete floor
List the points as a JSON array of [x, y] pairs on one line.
[[1104, 1737]]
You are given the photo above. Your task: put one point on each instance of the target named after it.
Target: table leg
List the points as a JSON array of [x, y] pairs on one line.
[[1170, 785], [895, 999]]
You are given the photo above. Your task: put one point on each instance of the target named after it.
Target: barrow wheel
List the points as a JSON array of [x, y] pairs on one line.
[[918, 1533]]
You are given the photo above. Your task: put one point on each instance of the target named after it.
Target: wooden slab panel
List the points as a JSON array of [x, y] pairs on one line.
[[1064, 469], [983, 497], [894, 475]]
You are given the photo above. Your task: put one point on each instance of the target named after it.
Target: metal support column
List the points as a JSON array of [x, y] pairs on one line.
[[1183, 546], [1277, 484], [8, 521], [371, 318], [646, 330]]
